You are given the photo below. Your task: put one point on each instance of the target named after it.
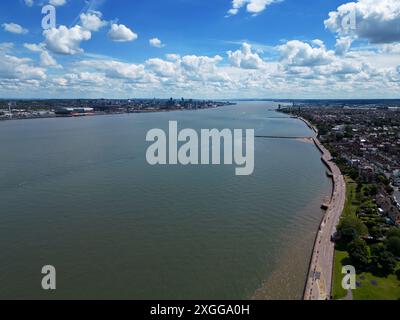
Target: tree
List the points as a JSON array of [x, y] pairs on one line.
[[348, 132], [376, 252], [359, 253], [388, 262], [383, 259], [383, 180], [351, 228], [389, 189], [394, 232], [376, 232], [371, 190], [393, 246], [354, 174]]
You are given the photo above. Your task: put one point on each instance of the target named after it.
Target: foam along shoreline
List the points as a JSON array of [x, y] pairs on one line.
[[319, 279]]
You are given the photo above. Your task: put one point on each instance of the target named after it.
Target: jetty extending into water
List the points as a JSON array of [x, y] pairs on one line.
[[284, 137]]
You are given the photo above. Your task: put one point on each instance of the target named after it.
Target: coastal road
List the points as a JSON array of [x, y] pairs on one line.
[[319, 281]]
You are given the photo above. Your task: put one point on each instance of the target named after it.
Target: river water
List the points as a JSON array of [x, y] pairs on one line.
[[78, 194]]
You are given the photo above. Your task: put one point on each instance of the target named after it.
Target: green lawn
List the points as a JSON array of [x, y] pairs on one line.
[[382, 289], [350, 208], [338, 291], [340, 256], [370, 287]]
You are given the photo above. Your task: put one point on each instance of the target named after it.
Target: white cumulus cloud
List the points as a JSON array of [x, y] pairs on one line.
[[343, 45], [245, 58], [67, 41], [302, 54], [157, 43], [252, 6], [58, 3], [377, 21], [14, 28], [46, 59], [121, 33], [6, 47], [20, 69], [92, 21]]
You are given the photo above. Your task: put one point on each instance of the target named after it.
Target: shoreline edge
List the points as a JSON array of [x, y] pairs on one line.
[[320, 275]]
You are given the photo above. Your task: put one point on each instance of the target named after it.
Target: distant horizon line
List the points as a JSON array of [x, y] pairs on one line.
[[217, 99]]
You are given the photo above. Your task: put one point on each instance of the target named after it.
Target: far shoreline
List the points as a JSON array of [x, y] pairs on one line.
[[99, 114]]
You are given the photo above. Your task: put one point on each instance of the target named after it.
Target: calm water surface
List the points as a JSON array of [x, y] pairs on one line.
[[79, 195]]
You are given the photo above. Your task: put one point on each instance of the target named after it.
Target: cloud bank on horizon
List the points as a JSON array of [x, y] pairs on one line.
[[349, 50]]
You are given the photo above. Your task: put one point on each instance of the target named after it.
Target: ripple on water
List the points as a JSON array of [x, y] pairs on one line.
[[118, 228]]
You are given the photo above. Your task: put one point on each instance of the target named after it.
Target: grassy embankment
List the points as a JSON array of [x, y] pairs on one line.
[[370, 286]]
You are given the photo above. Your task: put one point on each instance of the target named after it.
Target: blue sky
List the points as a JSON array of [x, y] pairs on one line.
[[208, 49]]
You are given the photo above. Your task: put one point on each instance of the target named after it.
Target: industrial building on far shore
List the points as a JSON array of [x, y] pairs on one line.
[[73, 112]]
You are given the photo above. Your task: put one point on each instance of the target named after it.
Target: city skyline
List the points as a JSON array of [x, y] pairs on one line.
[[216, 50]]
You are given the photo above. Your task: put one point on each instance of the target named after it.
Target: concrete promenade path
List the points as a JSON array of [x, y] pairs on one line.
[[320, 275], [319, 281]]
